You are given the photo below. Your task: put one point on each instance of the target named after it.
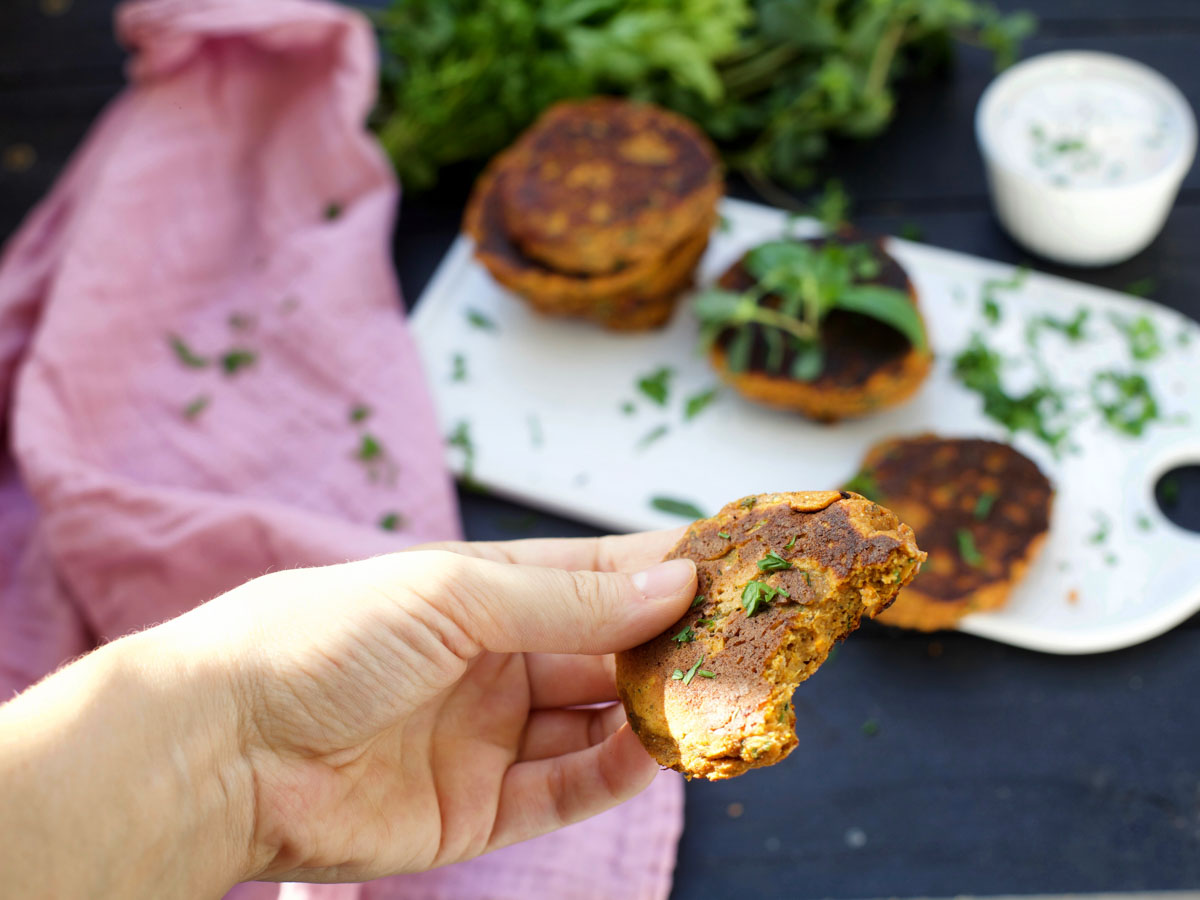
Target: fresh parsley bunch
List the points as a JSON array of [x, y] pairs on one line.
[[797, 284], [771, 80]]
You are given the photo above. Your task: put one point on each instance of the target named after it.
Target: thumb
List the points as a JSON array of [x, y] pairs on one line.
[[512, 608]]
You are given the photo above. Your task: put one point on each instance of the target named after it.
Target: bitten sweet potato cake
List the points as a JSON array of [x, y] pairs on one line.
[[782, 578], [980, 508]]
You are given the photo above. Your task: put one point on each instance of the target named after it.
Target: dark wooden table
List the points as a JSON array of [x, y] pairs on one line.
[[984, 769]]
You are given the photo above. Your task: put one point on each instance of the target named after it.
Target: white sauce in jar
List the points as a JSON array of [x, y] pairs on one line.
[[1088, 131]]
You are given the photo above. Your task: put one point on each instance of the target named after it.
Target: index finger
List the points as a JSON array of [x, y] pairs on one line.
[[611, 553]]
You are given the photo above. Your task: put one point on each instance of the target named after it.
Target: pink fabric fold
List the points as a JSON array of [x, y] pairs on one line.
[[231, 197]]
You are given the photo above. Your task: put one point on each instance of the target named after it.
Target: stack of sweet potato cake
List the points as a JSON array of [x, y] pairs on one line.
[[600, 211]]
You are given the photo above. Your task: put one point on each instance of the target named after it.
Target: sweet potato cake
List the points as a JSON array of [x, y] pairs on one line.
[[868, 365], [600, 184], [980, 508], [637, 297], [781, 579]]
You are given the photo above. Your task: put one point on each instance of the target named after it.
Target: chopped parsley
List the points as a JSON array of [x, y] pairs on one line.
[[773, 562], [657, 385], [369, 449], [991, 310], [185, 354], [792, 543], [723, 534], [1072, 329], [392, 521], [864, 483], [196, 406], [360, 413], [654, 434], [699, 600], [233, 361], [458, 371], [757, 594], [1142, 336], [480, 321], [983, 506], [677, 507], [686, 677], [460, 438], [1125, 401], [697, 403], [686, 636], [967, 550], [704, 673]]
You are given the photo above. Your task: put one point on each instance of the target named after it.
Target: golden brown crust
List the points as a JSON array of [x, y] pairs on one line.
[[937, 484], [837, 557], [600, 184], [869, 366], [638, 297]]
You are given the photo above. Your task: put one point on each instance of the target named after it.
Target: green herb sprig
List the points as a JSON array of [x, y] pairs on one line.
[[757, 594]]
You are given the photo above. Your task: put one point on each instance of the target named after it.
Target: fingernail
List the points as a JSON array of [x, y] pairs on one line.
[[664, 579]]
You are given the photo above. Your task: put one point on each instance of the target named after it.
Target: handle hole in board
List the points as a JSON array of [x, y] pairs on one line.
[[1177, 493]]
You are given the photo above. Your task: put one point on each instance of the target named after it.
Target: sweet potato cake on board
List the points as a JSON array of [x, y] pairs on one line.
[[827, 327], [980, 508], [781, 579]]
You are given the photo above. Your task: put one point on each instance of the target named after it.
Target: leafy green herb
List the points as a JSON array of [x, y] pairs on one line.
[[1103, 527], [1037, 411], [369, 449], [360, 413], [704, 673], [392, 521], [748, 502], [831, 207], [706, 623], [1072, 329], [774, 80], [233, 361], [983, 506], [196, 406], [657, 385], [1143, 287], [686, 636], [797, 284], [1143, 522], [458, 371], [773, 562], [864, 483], [1125, 401], [697, 403], [654, 434], [991, 310], [185, 354], [1143, 339], [686, 677], [677, 507], [333, 211], [697, 601], [481, 321], [870, 728], [460, 438], [757, 594], [792, 543], [723, 534], [966, 548]]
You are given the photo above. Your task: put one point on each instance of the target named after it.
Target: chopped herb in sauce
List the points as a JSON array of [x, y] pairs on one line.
[[1125, 401], [360, 413], [757, 594], [185, 354], [196, 406], [677, 507], [657, 385], [991, 311], [369, 449], [966, 548], [458, 370], [392, 521], [654, 434], [1143, 522], [460, 438], [233, 361], [1103, 527], [1142, 336], [773, 562], [1072, 329]]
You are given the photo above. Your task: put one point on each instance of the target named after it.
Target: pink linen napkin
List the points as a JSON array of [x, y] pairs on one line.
[[231, 198]]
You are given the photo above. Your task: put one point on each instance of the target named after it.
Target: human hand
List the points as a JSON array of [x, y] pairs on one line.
[[412, 710]]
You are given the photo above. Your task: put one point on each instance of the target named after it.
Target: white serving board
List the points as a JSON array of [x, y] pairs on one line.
[[580, 457]]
